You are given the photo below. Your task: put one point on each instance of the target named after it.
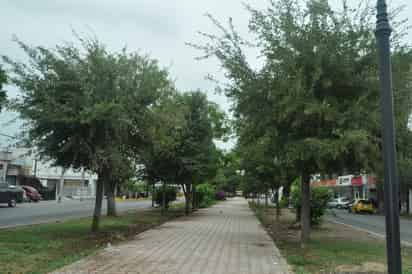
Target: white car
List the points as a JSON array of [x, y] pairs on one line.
[[340, 203]]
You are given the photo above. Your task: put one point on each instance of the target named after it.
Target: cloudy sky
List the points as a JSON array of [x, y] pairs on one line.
[[157, 27]]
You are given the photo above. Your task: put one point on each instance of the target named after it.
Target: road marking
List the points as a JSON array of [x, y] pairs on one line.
[[378, 235]]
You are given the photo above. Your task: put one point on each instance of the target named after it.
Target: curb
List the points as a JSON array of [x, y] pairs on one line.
[[377, 235]]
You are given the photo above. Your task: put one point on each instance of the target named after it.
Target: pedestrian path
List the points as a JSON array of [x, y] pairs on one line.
[[224, 239]]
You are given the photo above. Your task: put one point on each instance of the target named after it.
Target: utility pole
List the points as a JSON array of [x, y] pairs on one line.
[[391, 186]]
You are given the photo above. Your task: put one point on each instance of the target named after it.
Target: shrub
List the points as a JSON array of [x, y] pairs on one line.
[[220, 195], [205, 195], [284, 202], [171, 193], [319, 198]]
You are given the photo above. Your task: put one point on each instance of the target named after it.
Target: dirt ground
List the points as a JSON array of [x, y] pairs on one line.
[[333, 248]]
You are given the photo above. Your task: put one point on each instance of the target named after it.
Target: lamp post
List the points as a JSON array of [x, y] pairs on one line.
[[391, 186]]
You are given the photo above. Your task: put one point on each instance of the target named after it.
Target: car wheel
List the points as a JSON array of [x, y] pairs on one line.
[[12, 203]]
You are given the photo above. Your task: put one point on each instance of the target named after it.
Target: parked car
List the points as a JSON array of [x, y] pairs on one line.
[[10, 194], [362, 206], [32, 194], [340, 203]]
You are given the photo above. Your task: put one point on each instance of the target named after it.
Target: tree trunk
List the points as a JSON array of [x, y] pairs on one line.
[[194, 201], [188, 199], [305, 210], [163, 198], [147, 189], [153, 191], [111, 198], [98, 203], [266, 199], [61, 185], [277, 205]]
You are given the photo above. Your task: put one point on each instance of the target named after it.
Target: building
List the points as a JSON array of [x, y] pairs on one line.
[[13, 163], [70, 183], [350, 186]]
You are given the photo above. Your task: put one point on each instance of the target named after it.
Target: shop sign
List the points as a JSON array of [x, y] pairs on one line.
[[357, 181], [325, 183], [344, 180]]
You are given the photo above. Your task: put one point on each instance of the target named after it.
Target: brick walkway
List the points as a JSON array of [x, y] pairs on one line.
[[224, 239]]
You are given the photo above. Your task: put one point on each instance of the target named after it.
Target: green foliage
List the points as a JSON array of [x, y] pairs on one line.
[[320, 196], [179, 146], [134, 186], [228, 178], [170, 191], [205, 195], [77, 104], [313, 104], [316, 95], [284, 202]]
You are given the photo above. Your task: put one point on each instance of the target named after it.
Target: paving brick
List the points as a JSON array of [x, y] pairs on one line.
[[224, 239]]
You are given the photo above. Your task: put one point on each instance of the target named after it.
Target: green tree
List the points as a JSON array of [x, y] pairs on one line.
[[76, 104], [197, 152], [161, 142], [316, 94], [180, 148]]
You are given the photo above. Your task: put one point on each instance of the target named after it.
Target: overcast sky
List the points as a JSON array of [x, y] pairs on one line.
[[157, 27]]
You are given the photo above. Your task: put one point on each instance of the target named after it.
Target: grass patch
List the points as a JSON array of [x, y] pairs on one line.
[[332, 249], [46, 247]]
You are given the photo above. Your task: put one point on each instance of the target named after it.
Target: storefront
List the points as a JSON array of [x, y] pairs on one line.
[[350, 186]]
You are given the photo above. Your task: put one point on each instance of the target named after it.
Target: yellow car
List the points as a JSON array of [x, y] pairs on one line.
[[362, 206]]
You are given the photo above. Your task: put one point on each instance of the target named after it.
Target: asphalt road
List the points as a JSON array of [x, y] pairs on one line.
[[51, 211], [372, 223]]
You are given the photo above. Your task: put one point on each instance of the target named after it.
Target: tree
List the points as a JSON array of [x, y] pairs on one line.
[[229, 173], [161, 141], [76, 104], [3, 80], [180, 148], [316, 94], [197, 153]]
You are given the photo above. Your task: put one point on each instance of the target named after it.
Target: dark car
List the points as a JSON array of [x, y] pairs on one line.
[[10, 194], [32, 194]]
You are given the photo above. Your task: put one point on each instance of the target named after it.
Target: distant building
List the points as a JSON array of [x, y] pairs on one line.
[[75, 184], [350, 186], [12, 164]]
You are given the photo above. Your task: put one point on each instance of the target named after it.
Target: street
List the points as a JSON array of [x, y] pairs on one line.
[[372, 223], [51, 211]]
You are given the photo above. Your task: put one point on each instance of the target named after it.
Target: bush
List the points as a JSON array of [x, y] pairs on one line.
[[205, 195], [319, 198], [171, 193], [220, 195], [284, 202]]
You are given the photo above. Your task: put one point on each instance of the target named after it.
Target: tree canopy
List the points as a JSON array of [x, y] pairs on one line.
[[76, 104], [315, 97]]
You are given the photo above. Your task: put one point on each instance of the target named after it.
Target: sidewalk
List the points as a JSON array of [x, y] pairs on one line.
[[224, 239]]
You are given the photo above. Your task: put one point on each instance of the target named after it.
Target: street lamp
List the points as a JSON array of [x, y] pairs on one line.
[[391, 186]]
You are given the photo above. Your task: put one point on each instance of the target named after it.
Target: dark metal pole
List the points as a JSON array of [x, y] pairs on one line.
[[391, 187]]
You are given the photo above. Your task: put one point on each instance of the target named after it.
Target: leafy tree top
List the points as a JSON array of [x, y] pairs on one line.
[[76, 102]]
